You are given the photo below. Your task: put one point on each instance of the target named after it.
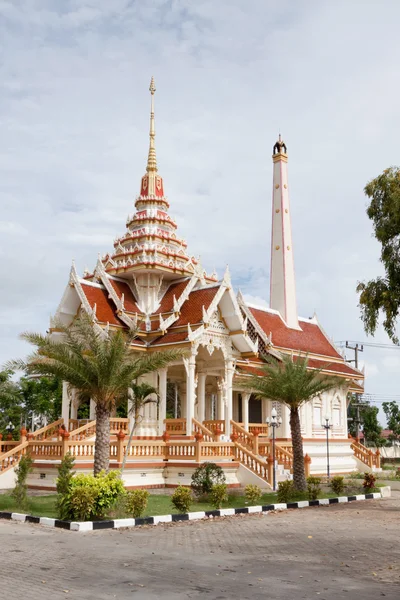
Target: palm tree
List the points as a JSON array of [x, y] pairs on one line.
[[138, 394], [97, 365], [291, 383]]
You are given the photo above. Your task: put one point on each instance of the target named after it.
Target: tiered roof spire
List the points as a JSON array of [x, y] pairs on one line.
[[152, 160], [150, 243]]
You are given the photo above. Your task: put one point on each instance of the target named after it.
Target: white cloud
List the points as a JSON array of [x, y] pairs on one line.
[[74, 119]]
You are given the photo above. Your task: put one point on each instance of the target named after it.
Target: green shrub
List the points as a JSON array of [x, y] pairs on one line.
[[22, 471], [369, 481], [205, 477], [286, 491], [182, 499], [313, 487], [253, 493], [218, 495], [63, 482], [337, 484], [107, 489], [136, 502], [82, 503]]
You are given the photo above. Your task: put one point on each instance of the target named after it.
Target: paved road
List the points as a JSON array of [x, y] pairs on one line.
[[349, 551]]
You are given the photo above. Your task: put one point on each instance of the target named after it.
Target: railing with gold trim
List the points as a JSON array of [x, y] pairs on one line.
[[197, 427], [8, 445], [181, 450], [50, 430], [175, 426], [283, 453], [252, 462], [77, 423], [215, 424], [45, 449], [366, 455], [84, 432], [244, 437], [118, 424], [145, 449], [11, 458]]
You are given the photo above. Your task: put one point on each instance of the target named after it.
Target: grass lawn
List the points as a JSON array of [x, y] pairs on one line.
[[44, 506]]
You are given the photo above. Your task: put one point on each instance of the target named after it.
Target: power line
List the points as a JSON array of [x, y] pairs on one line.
[[369, 344]]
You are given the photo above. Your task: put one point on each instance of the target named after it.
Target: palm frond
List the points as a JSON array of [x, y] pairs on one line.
[[290, 382]]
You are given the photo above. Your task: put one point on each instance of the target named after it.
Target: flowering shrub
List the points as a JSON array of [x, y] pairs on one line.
[[218, 495], [337, 484], [286, 491], [106, 489], [205, 477], [313, 487], [182, 499], [253, 493], [136, 502]]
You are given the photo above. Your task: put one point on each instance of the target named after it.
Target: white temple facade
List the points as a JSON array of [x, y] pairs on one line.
[[150, 282]]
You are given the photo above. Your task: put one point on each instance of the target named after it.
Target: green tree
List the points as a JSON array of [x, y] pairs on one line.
[[139, 395], [10, 402], [382, 295], [392, 412], [370, 425], [41, 396], [99, 365], [291, 383]]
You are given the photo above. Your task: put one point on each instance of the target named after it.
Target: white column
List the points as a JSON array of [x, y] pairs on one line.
[[65, 404], [220, 403], [201, 396], [245, 410], [74, 405], [92, 410], [162, 391], [182, 398], [190, 365], [229, 370]]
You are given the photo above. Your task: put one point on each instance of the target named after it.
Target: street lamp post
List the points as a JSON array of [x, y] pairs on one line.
[[10, 428], [327, 426], [274, 422]]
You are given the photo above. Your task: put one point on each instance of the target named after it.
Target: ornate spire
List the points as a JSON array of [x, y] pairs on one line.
[[152, 184], [152, 160]]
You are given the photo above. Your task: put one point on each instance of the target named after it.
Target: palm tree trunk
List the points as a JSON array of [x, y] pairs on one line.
[[130, 439], [299, 476], [102, 444]]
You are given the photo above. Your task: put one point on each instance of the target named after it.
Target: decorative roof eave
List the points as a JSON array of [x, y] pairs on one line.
[[74, 281], [323, 358], [253, 320], [119, 302]]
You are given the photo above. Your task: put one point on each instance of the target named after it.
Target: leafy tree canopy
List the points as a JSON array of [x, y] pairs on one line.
[[382, 295], [392, 412]]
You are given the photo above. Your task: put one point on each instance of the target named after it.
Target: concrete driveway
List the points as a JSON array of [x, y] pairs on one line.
[[349, 551]]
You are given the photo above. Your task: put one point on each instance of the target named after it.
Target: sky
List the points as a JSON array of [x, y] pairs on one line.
[[74, 114]]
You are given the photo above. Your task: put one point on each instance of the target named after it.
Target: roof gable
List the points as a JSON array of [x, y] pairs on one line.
[[309, 338]]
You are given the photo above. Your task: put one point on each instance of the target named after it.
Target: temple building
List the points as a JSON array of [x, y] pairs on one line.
[[150, 283]]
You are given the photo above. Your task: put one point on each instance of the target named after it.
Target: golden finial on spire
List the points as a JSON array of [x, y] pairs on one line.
[[152, 160]]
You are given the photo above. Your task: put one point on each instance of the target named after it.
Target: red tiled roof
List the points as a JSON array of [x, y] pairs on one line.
[[105, 310], [334, 366], [129, 299], [339, 368], [171, 338], [167, 301], [309, 339], [192, 309]]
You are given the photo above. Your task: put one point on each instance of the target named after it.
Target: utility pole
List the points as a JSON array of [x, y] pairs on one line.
[[357, 348]]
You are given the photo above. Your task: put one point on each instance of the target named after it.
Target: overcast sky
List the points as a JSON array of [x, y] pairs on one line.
[[74, 108]]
